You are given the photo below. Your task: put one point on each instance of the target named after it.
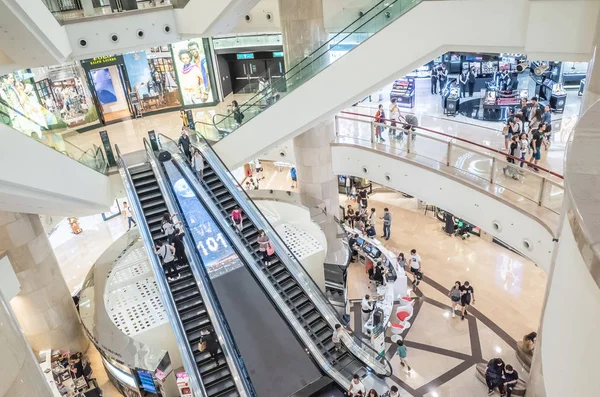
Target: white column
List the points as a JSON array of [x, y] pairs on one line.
[[44, 306], [20, 374]]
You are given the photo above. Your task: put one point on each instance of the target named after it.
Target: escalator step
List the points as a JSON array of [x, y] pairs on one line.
[[295, 293], [287, 284], [156, 199], [186, 296], [312, 317], [155, 211], [148, 189], [196, 324], [217, 376], [221, 388], [178, 286], [144, 182], [191, 313], [281, 277], [143, 174]]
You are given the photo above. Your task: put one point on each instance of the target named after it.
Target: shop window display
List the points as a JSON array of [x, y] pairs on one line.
[[64, 96], [20, 106], [192, 69]]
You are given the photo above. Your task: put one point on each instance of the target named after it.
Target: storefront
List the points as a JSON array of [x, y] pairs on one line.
[[65, 96], [156, 80]]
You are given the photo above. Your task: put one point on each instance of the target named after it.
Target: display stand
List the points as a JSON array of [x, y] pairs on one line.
[[74, 223], [183, 384], [451, 98], [403, 91]]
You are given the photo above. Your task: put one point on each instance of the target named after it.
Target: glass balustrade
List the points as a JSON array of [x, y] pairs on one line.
[[485, 167], [20, 123]]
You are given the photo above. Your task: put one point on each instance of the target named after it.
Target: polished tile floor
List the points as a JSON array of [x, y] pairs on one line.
[[442, 350]]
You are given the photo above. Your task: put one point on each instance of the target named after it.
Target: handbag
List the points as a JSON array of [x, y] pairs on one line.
[[270, 249], [201, 346]]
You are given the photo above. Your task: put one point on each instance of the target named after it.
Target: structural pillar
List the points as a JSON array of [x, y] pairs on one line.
[[20, 374], [43, 307], [303, 32], [591, 93]]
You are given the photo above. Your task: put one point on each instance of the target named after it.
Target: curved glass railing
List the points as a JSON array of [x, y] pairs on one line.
[[467, 160], [359, 348], [370, 22], [15, 119]]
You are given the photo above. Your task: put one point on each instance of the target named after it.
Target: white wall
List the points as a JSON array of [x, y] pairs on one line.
[[571, 324], [258, 19], [209, 17], [481, 209], [97, 33], [30, 35], [39, 180], [370, 66]]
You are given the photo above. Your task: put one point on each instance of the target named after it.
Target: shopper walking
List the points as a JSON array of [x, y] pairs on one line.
[[471, 81], [463, 81], [366, 307], [264, 246], [209, 339], [357, 389], [237, 219], [184, 144], [348, 186], [442, 77], [393, 392], [294, 177], [467, 295], [198, 164], [535, 120], [401, 351], [524, 146], [166, 253], [380, 119], [372, 393], [454, 295], [401, 261], [238, 116], [373, 217], [434, 79], [537, 141], [168, 227], [415, 267], [337, 335], [547, 120], [129, 215], [387, 223], [394, 116]]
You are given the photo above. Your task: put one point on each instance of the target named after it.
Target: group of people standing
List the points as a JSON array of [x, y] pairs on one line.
[[466, 80], [527, 130], [408, 121]]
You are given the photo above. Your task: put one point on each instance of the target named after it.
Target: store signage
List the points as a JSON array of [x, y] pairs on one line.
[[278, 54], [110, 157], [249, 55], [98, 62]]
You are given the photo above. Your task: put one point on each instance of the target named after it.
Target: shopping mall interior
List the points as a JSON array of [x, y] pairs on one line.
[[316, 198]]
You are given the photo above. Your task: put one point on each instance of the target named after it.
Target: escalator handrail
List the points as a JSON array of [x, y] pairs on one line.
[[212, 304], [167, 298], [335, 39], [246, 256], [289, 259]]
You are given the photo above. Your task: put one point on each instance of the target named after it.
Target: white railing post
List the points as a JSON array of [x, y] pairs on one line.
[[448, 153], [337, 126], [373, 136], [541, 198], [409, 141], [492, 174]]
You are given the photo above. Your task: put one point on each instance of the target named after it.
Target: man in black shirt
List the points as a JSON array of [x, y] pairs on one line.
[[471, 81], [363, 198], [466, 295], [434, 79], [510, 380], [493, 375], [352, 243], [184, 144], [536, 142]]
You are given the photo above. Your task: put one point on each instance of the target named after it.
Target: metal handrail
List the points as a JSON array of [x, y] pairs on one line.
[[543, 180], [212, 304], [291, 262], [167, 298], [398, 122], [205, 195]]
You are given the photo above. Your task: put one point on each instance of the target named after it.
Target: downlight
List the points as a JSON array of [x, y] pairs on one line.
[[167, 29], [140, 33], [114, 38], [83, 43]]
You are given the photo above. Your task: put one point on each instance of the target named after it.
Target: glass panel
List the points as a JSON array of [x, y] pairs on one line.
[[27, 126], [373, 20], [553, 196], [518, 180], [422, 145], [471, 162]]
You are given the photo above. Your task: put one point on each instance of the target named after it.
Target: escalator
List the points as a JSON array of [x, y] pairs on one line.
[[330, 68], [189, 313], [285, 276]]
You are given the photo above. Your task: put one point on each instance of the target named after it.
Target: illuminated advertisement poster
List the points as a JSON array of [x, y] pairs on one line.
[[216, 253], [21, 104], [193, 72]]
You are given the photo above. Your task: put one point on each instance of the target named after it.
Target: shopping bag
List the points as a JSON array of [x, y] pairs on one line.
[[201, 346], [270, 249]]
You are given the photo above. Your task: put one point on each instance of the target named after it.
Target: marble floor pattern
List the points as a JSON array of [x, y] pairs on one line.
[[443, 351]]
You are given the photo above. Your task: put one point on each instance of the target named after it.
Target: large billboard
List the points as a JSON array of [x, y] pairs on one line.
[[192, 70]]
